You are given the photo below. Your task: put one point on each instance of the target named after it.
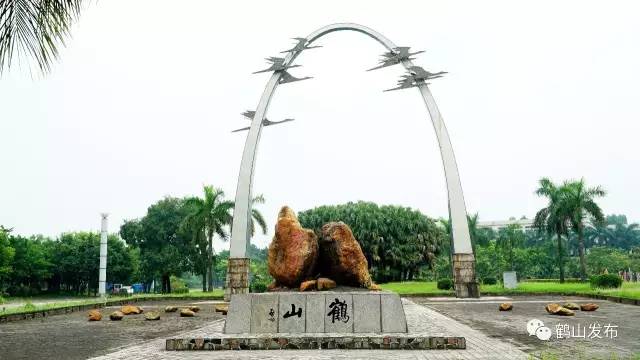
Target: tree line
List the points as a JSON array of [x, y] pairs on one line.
[[69, 263]]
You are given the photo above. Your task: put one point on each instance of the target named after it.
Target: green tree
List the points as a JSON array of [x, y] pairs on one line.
[[31, 266], [509, 238], [398, 242], [582, 207], [164, 247], [211, 215], [554, 218], [6, 257], [35, 28]]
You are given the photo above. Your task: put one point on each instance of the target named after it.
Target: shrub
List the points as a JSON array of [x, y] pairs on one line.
[[29, 306], [606, 281], [445, 284], [489, 280], [258, 286], [1, 300], [180, 290]]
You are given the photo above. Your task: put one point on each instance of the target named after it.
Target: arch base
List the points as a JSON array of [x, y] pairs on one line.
[[464, 276], [237, 280]]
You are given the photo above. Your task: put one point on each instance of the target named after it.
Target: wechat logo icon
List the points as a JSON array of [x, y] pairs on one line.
[[537, 328]]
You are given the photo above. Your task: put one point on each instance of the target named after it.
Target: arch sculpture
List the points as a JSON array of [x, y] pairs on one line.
[[462, 254]]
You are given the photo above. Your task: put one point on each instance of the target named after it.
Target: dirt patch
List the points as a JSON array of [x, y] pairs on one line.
[[71, 336], [511, 325]]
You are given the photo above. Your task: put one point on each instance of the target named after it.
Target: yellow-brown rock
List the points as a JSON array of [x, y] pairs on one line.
[[131, 310], [341, 257], [325, 284], [95, 315], [589, 307], [293, 252], [170, 308], [552, 308], [308, 285], [556, 309], [152, 315], [506, 307], [187, 313], [222, 308], [571, 306], [116, 316], [374, 287], [194, 308]]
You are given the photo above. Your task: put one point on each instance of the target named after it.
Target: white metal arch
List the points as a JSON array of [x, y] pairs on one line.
[[240, 235]]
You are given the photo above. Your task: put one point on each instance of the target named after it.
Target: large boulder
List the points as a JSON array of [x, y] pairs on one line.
[[293, 252], [341, 257], [506, 307]]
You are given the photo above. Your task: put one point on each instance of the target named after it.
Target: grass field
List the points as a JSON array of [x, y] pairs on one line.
[[628, 290], [29, 305]]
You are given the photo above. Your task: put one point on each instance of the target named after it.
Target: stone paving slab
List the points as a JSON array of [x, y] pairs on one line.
[[419, 320]]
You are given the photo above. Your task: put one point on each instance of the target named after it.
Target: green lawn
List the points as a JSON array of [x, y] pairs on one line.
[[628, 290], [30, 307]]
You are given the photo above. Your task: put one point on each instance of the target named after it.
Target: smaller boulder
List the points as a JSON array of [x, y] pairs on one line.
[[506, 307], [564, 312], [374, 287], [95, 315], [326, 284], [308, 285], [552, 308], [589, 307], [187, 313], [116, 316], [170, 308], [152, 315], [571, 306], [131, 310], [222, 308], [556, 309], [194, 308]]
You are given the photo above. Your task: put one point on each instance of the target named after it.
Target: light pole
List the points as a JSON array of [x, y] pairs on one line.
[[102, 289]]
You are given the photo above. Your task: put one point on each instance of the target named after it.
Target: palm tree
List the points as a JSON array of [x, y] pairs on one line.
[[211, 215], [35, 28], [580, 202], [554, 218]]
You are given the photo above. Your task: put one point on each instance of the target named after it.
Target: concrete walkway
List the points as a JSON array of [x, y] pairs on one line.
[[419, 319]]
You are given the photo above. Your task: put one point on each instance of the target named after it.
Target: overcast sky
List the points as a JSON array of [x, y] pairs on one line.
[[143, 99]]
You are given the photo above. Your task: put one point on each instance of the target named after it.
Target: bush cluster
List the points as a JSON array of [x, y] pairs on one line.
[[606, 281], [445, 284], [489, 280]]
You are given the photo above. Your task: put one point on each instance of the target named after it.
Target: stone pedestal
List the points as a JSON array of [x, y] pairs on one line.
[[336, 312], [237, 281], [464, 276]]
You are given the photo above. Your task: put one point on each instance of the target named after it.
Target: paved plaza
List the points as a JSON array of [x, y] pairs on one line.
[[489, 334], [419, 318]]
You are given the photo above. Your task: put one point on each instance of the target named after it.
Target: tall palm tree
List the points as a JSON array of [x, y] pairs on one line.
[[554, 218], [580, 202], [35, 28], [211, 215]]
